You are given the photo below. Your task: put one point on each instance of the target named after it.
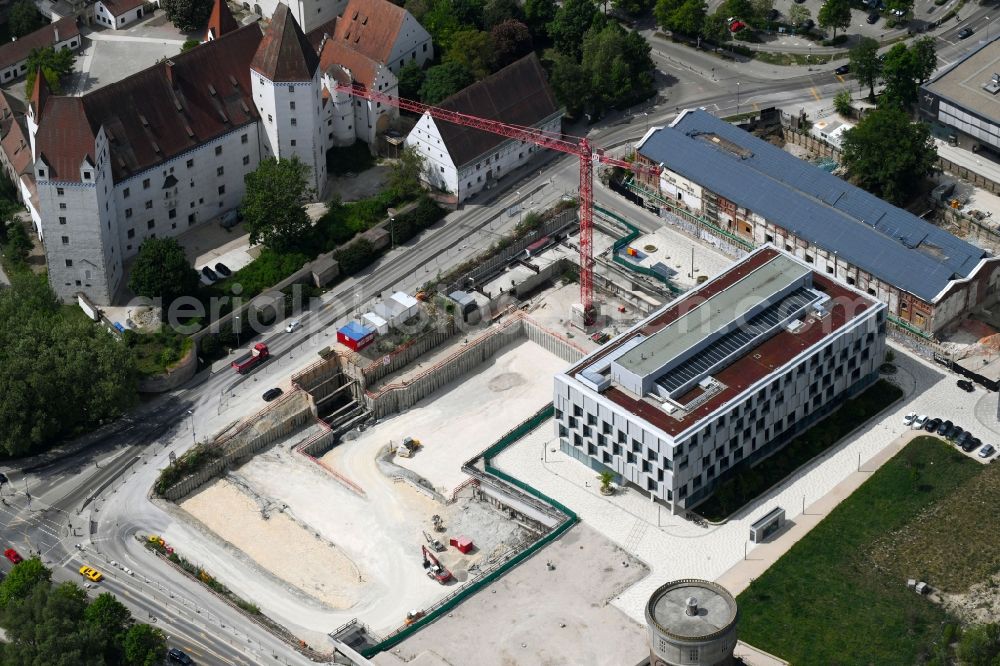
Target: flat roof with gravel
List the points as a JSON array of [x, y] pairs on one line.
[[715, 609], [963, 83]]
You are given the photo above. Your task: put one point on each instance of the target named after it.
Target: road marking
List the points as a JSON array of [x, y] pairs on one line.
[[815, 93]]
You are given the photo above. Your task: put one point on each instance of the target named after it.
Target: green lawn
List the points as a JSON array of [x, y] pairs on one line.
[[825, 602], [749, 483]]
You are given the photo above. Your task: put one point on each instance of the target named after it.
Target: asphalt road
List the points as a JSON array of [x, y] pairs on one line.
[[98, 497]]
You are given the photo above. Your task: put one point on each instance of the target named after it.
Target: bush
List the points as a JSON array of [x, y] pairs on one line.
[[264, 272], [18, 245], [211, 349], [355, 256], [189, 44], [194, 459]]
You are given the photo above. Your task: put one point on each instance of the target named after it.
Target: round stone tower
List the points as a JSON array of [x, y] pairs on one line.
[[691, 622]]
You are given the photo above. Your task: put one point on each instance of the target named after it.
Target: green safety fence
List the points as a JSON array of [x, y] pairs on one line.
[[902, 323], [634, 232], [461, 595]]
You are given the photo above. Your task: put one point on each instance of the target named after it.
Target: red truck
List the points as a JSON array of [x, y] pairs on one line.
[[12, 555], [246, 363]]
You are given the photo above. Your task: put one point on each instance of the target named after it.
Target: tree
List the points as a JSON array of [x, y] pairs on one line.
[[865, 64], [24, 18], [472, 50], [22, 579], [924, 55], [444, 80], [496, 12], [633, 7], [888, 155], [410, 78], [54, 65], [905, 6], [798, 14], [898, 72], [571, 23], [511, 40], [689, 18], [842, 103], [835, 14], [663, 10], [59, 373], [980, 645], [109, 617], [404, 176], [761, 9], [273, 209], [741, 9], [618, 66], [162, 270], [188, 15], [145, 646], [537, 15], [569, 82], [715, 29]]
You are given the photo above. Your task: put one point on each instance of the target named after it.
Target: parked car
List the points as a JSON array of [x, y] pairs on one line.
[[965, 33], [13, 556], [918, 423], [230, 219], [843, 69], [271, 394], [807, 25], [971, 444], [963, 438], [910, 418], [899, 12], [953, 434], [966, 385], [209, 273], [773, 15], [91, 573], [873, 17], [223, 270], [932, 425], [987, 451], [736, 26], [293, 325], [944, 427], [179, 657]]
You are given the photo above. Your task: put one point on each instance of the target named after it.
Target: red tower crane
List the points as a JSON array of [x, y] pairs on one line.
[[579, 146]]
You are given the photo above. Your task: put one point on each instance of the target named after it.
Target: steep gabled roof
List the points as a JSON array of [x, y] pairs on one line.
[[220, 21], [13, 134], [39, 94], [362, 68], [518, 94], [371, 27], [157, 113], [285, 54], [119, 7], [18, 50]]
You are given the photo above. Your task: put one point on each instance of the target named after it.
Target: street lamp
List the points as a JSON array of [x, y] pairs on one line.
[[392, 227], [194, 438], [737, 98], [237, 319]]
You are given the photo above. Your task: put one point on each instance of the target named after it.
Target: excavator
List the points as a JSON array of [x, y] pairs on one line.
[[433, 567]]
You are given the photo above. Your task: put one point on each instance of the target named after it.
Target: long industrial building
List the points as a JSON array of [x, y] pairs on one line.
[[725, 375], [749, 192]]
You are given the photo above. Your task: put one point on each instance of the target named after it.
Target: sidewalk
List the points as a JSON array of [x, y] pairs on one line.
[[739, 577]]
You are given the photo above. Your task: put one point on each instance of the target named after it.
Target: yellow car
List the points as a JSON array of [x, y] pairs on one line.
[[91, 573]]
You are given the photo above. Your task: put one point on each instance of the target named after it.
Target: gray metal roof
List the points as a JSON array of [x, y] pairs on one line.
[[888, 242]]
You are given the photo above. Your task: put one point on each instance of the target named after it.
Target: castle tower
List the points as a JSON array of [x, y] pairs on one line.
[[288, 92], [692, 622]]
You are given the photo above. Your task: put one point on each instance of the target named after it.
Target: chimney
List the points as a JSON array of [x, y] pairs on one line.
[[169, 69], [692, 606], [55, 29]]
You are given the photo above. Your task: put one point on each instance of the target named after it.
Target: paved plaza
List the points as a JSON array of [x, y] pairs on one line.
[[677, 548]]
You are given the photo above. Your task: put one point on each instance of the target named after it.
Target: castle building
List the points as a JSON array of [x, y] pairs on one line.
[[168, 147]]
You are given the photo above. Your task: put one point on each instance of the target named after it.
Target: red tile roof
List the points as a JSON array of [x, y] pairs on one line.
[[765, 358], [39, 94], [518, 94], [285, 54], [13, 135], [60, 31], [119, 7], [362, 68], [220, 21], [371, 26], [157, 113]]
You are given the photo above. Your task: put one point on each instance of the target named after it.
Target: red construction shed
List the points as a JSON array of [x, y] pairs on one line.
[[463, 543], [356, 336]]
